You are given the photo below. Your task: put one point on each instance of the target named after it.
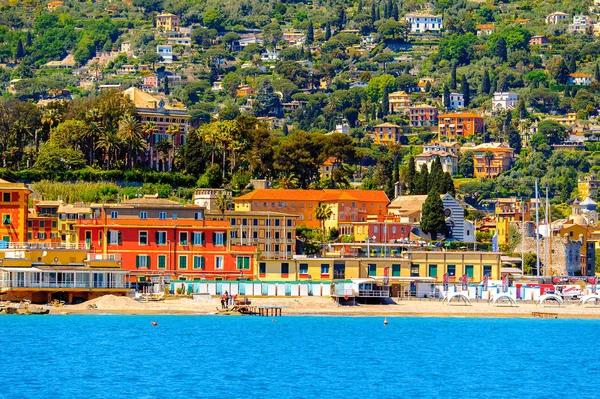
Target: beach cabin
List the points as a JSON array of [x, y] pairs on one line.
[[361, 289]]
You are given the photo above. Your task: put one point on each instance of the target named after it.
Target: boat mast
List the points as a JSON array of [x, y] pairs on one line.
[[537, 228], [523, 236], [548, 236]]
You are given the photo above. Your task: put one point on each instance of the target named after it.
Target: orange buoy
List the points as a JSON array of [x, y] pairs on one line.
[[346, 297], [385, 322], [154, 323]]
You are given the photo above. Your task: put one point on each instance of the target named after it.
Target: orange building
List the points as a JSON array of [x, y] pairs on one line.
[[14, 199], [398, 101], [387, 133], [491, 159], [42, 222], [346, 205], [459, 124], [158, 237]]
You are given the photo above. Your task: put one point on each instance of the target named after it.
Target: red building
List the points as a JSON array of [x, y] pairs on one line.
[[159, 237], [423, 115]]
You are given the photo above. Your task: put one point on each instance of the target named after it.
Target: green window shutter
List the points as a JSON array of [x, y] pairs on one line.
[[161, 261], [137, 262], [119, 238], [238, 262], [202, 262], [148, 261], [156, 237], [214, 238], [202, 239], [247, 263], [224, 238]]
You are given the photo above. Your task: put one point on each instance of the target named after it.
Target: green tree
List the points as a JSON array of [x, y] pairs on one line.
[[500, 49], [557, 67], [55, 160], [323, 212], [213, 19], [166, 85], [552, 130], [131, 132], [411, 175], [453, 76], [432, 219], [385, 101], [466, 164], [194, 156], [310, 33], [446, 97], [466, 91], [231, 81], [484, 88]]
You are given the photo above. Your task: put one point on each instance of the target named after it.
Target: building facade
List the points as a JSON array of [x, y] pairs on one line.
[[398, 101], [387, 133], [460, 124], [420, 23], [423, 115], [14, 203], [492, 159], [167, 22], [503, 101]]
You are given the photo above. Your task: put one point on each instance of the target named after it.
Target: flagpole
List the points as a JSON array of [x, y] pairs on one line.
[[548, 238], [523, 236], [537, 228]]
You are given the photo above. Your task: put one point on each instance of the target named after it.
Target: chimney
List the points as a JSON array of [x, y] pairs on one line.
[[397, 189]]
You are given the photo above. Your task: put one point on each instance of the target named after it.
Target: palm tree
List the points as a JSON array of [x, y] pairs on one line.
[[323, 213], [130, 131], [288, 182], [488, 156], [210, 134], [164, 147], [223, 203], [110, 143]]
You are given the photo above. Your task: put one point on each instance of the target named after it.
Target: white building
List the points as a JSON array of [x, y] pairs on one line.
[[555, 17], [457, 100], [581, 24], [448, 160], [580, 79], [166, 52], [460, 228], [270, 55], [504, 100], [207, 197], [420, 23]]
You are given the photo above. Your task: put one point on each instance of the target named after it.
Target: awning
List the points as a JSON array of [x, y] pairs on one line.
[[20, 269]]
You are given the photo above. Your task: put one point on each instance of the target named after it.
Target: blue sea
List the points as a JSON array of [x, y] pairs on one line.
[[296, 357]]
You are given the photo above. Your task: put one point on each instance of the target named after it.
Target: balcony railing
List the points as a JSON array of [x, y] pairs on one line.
[[40, 245], [82, 285]]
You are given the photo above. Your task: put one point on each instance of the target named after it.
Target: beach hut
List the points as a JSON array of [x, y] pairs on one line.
[[316, 289], [303, 289], [294, 289], [271, 289], [326, 289], [212, 288], [280, 289]]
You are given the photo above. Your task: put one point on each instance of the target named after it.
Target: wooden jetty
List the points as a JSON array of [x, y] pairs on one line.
[[545, 315], [266, 310]]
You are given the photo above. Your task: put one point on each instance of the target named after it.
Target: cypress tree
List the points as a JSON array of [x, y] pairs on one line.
[[500, 49], [448, 185], [327, 31], [513, 138], [466, 91], [166, 86], [386, 10], [19, 52], [433, 220], [572, 64], [521, 110], [428, 87], [436, 176], [373, 13], [453, 77], [378, 14], [395, 12], [359, 7], [395, 172], [193, 155], [597, 74], [310, 33], [484, 89], [421, 187], [411, 175], [379, 112], [446, 97], [385, 101], [285, 129], [28, 39]]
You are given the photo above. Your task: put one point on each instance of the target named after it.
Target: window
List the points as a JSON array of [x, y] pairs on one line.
[[162, 215], [6, 219], [143, 238], [218, 262], [244, 222], [277, 222], [197, 215], [198, 262], [233, 221], [183, 238], [114, 237], [372, 269], [268, 222], [197, 238], [183, 261], [162, 261], [375, 229], [218, 238], [289, 222], [6, 197], [143, 215], [142, 262], [53, 224], [303, 268], [262, 268], [414, 270], [324, 269], [243, 263], [285, 269], [433, 271], [469, 271], [161, 238], [29, 236], [396, 270], [487, 269], [114, 214], [254, 222], [42, 223], [255, 235], [41, 236], [451, 270]]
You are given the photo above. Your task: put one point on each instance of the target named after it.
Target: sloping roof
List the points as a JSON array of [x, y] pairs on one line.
[[141, 99], [387, 124], [436, 153], [410, 203], [492, 146], [460, 115], [580, 75], [314, 195]]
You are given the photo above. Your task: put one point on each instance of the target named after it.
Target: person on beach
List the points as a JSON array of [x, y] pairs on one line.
[[226, 299], [222, 302]]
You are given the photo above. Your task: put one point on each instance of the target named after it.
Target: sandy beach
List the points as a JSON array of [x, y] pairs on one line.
[[327, 307]]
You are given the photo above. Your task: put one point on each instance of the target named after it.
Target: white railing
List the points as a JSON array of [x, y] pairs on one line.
[[40, 245], [83, 285], [374, 293], [91, 257]]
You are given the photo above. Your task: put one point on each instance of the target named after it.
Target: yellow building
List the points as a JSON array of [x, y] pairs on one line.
[[567, 120], [167, 22], [68, 215], [387, 134], [398, 101], [42, 275], [172, 123], [415, 264], [587, 186], [14, 207], [510, 210], [492, 159]]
